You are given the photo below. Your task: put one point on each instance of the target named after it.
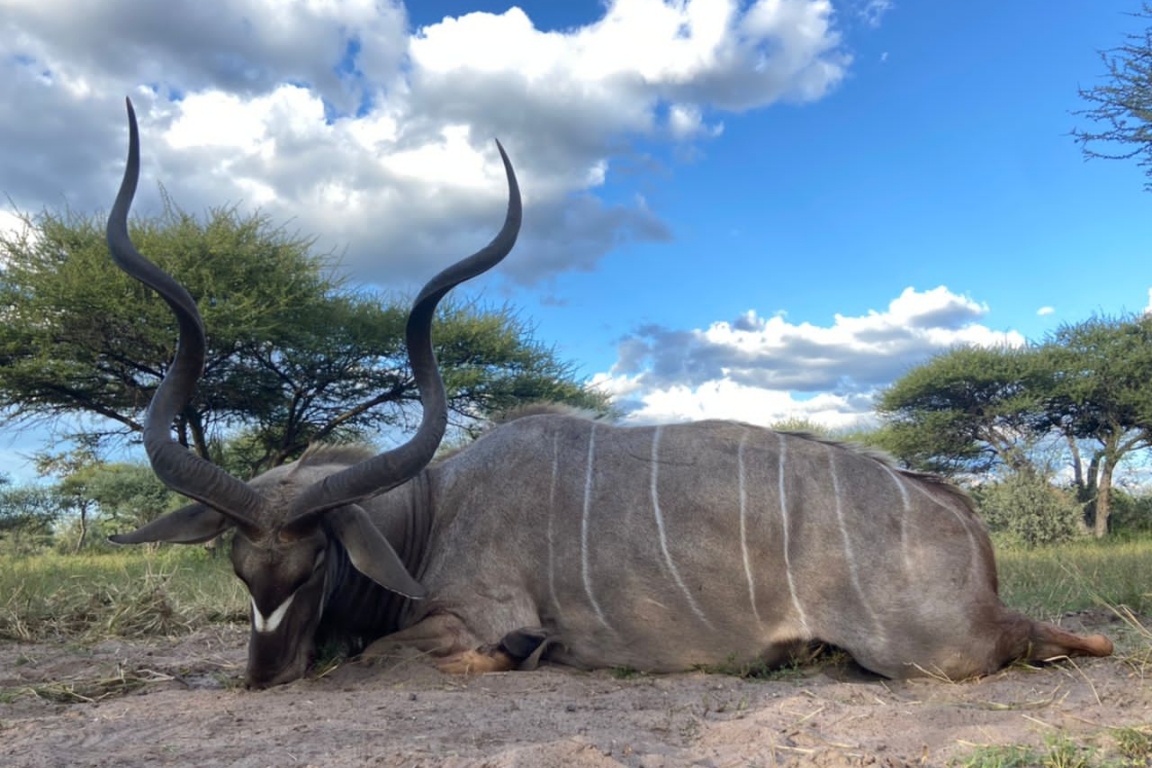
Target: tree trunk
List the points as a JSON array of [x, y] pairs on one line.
[[83, 528], [1104, 498], [199, 440]]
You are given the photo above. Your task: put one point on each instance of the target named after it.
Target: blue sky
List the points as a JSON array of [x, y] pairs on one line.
[[754, 210]]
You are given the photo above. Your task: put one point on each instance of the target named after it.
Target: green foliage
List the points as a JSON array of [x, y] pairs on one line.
[[83, 337], [128, 495], [1096, 390], [1123, 106], [974, 410], [293, 355], [1028, 507], [1131, 513], [801, 425], [27, 514], [965, 410], [491, 362]]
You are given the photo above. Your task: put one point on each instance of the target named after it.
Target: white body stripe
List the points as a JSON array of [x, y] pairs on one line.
[[908, 565], [584, 570], [744, 524], [849, 554], [663, 538], [787, 558], [551, 524], [266, 625]]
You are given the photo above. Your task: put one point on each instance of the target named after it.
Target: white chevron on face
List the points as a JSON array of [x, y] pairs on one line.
[[269, 624]]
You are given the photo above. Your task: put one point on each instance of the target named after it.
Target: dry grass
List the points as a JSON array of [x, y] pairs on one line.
[[131, 596], [87, 689]]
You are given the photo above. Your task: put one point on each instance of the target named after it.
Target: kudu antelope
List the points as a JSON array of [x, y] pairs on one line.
[[564, 538], [311, 547]]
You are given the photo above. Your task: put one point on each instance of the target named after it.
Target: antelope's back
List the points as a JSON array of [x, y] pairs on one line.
[[664, 547]]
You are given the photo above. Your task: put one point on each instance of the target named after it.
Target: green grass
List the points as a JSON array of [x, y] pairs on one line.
[[1115, 748], [122, 594], [1048, 581], [135, 593]]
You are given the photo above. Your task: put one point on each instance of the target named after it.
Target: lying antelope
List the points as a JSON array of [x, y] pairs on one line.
[[563, 538]]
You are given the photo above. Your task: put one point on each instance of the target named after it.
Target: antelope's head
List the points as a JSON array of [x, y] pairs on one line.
[[286, 530]]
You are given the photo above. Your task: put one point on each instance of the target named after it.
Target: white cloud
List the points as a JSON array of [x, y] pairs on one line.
[[1148, 308], [686, 122], [1045, 311], [377, 137], [873, 11], [764, 370], [14, 227], [11, 224]]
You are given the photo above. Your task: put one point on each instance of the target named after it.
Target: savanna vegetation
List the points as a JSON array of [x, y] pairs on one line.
[[1040, 434], [295, 355]]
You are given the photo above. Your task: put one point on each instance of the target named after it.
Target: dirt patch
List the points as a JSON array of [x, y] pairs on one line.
[[180, 702]]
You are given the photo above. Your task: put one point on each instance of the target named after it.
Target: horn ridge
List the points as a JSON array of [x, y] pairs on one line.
[[391, 468], [176, 466]]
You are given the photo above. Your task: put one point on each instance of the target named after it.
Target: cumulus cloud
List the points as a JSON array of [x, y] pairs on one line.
[[764, 370], [1045, 311], [377, 136]]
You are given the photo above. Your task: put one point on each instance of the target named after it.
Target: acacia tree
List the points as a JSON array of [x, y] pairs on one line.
[[293, 354], [1098, 392], [72, 493], [973, 409], [1122, 106], [27, 514], [966, 410]]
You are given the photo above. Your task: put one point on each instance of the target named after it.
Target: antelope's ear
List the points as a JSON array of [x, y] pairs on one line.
[[190, 524], [370, 552]]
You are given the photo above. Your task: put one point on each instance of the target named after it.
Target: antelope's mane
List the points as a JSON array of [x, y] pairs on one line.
[[318, 454]]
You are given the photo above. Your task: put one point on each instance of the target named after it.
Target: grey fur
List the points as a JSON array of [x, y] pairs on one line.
[[646, 558]]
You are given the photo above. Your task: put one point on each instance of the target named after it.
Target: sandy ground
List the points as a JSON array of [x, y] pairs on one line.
[[180, 702]]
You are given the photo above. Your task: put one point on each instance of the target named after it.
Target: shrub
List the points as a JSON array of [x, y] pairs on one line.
[[1130, 514], [1030, 509]]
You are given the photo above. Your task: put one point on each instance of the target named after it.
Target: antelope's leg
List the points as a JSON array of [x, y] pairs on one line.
[[440, 634], [476, 661], [519, 649], [445, 636], [458, 651]]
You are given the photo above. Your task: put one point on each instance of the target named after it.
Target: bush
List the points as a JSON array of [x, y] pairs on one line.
[[1030, 509], [27, 514], [1130, 514]]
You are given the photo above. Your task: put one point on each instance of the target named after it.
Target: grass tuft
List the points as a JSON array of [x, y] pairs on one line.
[[87, 598], [1134, 744], [1121, 748]]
